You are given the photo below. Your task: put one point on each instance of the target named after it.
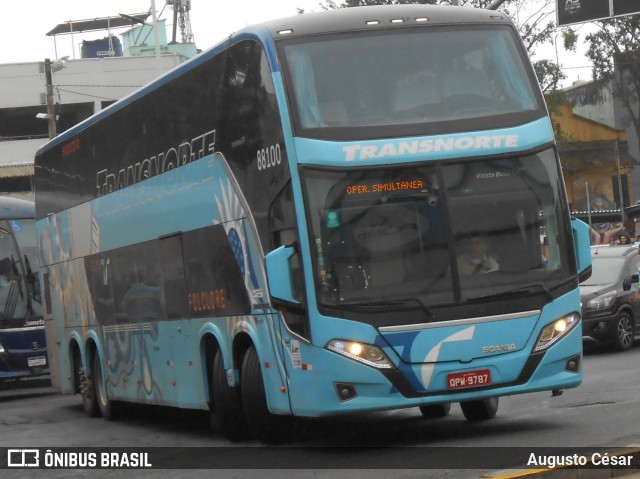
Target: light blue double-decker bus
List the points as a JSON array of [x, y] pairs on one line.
[[355, 210]]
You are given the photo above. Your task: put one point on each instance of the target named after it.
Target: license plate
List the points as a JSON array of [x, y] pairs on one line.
[[35, 362], [469, 379]]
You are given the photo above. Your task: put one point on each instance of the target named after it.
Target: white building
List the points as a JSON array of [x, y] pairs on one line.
[[81, 88]]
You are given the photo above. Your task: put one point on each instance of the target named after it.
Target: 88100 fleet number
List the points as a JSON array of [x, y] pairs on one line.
[[269, 157]]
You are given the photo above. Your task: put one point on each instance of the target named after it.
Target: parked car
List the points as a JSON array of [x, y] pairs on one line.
[[608, 312]]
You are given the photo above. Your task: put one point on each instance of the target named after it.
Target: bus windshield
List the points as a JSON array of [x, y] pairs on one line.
[[422, 81], [439, 235], [19, 264]]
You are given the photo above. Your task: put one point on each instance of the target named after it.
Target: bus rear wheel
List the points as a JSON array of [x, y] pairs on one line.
[[226, 408], [266, 427], [480, 410], [107, 407], [88, 392]]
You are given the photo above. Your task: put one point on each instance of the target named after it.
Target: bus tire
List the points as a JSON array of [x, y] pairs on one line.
[[78, 371], [106, 406], [266, 427], [480, 410], [433, 411], [226, 406], [88, 392]]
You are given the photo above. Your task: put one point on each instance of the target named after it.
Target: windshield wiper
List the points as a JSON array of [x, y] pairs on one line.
[[524, 290], [405, 303]]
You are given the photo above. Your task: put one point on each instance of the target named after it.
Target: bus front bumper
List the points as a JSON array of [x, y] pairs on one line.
[[337, 385]]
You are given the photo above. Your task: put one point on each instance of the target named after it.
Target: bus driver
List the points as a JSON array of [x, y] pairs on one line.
[[477, 259]]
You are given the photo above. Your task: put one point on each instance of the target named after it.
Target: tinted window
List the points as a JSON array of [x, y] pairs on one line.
[[416, 81], [191, 275], [215, 282], [408, 234], [226, 104]]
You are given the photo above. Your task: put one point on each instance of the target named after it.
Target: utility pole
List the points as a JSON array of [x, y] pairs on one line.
[[50, 116], [156, 36], [621, 204], [51, 110], [586, 188]]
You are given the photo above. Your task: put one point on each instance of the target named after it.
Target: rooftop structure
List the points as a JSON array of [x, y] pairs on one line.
[[108, 69]]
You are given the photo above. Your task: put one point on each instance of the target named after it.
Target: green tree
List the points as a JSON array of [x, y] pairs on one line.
[[614, 50], [535, 20]]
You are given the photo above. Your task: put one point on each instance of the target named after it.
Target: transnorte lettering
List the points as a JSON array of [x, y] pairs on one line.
[[186, 152], [370, 152]]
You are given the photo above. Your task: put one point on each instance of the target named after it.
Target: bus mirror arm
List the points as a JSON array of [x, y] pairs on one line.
[[582, 246], [280, 274]]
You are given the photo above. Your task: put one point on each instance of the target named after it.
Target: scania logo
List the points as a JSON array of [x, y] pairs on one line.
[[499, 348], [35, 345]]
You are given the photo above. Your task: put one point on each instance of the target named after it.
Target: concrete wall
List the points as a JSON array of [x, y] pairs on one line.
[[92, 79]]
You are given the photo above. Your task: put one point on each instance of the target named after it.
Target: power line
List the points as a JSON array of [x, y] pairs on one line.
[[85, 94], [100, 86], [576, 68]]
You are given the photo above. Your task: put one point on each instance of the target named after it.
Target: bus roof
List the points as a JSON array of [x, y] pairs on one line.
[[15, 209], [366, 18]]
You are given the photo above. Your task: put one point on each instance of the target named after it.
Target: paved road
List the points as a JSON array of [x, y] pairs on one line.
[[602, 413]]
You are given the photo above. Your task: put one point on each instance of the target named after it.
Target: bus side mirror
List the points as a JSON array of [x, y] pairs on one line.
[[582, 246], [280, 275]]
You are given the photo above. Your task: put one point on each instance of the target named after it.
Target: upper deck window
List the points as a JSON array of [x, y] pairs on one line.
[[402, 82]]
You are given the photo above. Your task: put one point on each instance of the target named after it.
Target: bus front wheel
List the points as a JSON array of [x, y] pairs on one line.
[[480, 410], [226, 408], [266, 427], [433, 411]]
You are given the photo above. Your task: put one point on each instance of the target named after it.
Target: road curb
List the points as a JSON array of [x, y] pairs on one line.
[[562, 472]]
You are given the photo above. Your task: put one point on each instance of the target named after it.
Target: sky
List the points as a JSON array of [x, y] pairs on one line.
[[26, 23]]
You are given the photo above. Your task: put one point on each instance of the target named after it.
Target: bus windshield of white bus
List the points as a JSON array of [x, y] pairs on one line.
[[455, 233], [19, 264], [409, 81]]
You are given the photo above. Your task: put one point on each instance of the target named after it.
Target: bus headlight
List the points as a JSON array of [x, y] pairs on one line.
[[361, 352], [556, 330], [1, 348]]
